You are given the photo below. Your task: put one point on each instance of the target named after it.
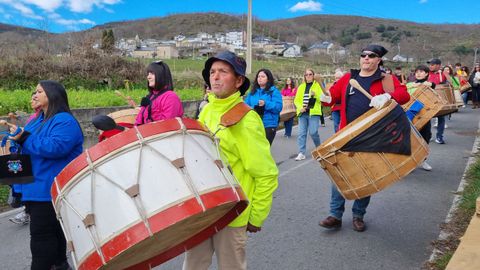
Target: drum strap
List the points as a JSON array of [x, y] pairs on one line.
[[234, 115], [387, 83]]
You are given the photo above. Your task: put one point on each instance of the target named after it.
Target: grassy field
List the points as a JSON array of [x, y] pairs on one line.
[[19, 100], [188, 82]]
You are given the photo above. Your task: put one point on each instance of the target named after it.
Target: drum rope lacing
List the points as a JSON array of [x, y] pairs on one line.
[[94, 173], [138, 203], [185, 172]]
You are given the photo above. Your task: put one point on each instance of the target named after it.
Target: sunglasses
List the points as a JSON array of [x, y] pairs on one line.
[[370, 55], [309, 74]]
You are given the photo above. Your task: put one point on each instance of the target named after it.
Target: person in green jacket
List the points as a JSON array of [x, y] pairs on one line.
[[245, 147], [309, 111]]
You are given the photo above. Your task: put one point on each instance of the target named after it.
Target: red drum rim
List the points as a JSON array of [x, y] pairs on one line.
[[164, 219], [118, 141]]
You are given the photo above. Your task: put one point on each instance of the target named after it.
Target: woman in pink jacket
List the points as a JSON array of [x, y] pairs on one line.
[[289, 91], [161, 102]]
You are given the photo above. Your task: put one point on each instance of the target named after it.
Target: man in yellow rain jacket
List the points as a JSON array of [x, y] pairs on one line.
[[245, 147]]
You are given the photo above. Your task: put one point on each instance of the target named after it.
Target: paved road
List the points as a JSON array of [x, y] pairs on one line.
[[402, 220]]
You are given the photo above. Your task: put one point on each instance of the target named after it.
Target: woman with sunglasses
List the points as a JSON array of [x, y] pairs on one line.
[[309, 110], [161, 101]]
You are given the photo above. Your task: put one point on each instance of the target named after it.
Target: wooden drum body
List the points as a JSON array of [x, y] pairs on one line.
[[360, 174], [432, 104], [145, 196], [288, 109], [125, 116], [446, 93]]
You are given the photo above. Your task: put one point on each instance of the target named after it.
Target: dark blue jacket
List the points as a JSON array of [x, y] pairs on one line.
[[273, 105], [51, 146]]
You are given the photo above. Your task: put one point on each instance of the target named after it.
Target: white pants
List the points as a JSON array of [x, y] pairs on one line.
[[228, 244]]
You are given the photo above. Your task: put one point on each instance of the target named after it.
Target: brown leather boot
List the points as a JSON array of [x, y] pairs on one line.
[[331, 223], [358, 224]]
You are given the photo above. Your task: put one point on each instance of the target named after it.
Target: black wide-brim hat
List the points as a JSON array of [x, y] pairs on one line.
[[238, 64]]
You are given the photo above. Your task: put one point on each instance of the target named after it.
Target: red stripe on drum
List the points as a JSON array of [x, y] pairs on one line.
[[194, 240], [105, 147], [162, 220], [93, 262], [74, 167]]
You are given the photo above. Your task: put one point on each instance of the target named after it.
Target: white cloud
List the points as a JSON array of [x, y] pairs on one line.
[[309, 5], [423, 1], [48, 5], [76, 6], [85, 6], [26, 11], [67, 22]]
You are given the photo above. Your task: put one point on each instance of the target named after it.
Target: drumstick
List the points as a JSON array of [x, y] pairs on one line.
[[5, 123], [355, 84], [120, 94], [13, 118]]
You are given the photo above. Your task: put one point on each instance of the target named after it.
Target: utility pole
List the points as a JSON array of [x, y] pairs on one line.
[[249, 38]]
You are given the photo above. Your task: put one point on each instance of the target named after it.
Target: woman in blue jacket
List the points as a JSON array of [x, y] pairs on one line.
[[52, 139], [266, 100]]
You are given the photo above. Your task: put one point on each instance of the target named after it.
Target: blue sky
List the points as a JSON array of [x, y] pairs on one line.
[[73, 15]]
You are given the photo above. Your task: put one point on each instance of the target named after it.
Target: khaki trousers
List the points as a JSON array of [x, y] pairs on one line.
[[228, 244]]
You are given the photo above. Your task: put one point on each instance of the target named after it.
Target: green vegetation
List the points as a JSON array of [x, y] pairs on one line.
[[442, 261], [463, 215], [19, 100], [472, 191], [4, 191]]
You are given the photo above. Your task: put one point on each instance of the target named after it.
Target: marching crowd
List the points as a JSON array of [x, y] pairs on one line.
[[53, 138]]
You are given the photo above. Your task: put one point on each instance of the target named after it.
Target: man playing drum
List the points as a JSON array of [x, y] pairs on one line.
[[353, 105], [254, 167]]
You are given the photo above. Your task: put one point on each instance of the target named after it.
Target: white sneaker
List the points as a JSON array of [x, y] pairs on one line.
[[300, 157], [426, 166], [21, 218]]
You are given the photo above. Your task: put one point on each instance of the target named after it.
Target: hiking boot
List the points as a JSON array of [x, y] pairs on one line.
[[358, 224], [331, 223]]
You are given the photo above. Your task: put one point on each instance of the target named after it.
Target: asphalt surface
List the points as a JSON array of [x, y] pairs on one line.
[[402, 220]]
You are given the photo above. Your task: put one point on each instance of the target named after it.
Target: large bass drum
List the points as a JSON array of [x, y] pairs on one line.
[[145, 196], [360, 174]]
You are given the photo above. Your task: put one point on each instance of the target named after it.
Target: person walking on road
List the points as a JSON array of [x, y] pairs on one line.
[[289, 91], [436, 76], [266, 100], [52, 140], [475, 82], [353, 105], [421, 75], [309, 110], [254, 167]]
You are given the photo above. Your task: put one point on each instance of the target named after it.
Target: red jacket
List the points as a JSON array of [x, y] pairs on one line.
[[339, 91]]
